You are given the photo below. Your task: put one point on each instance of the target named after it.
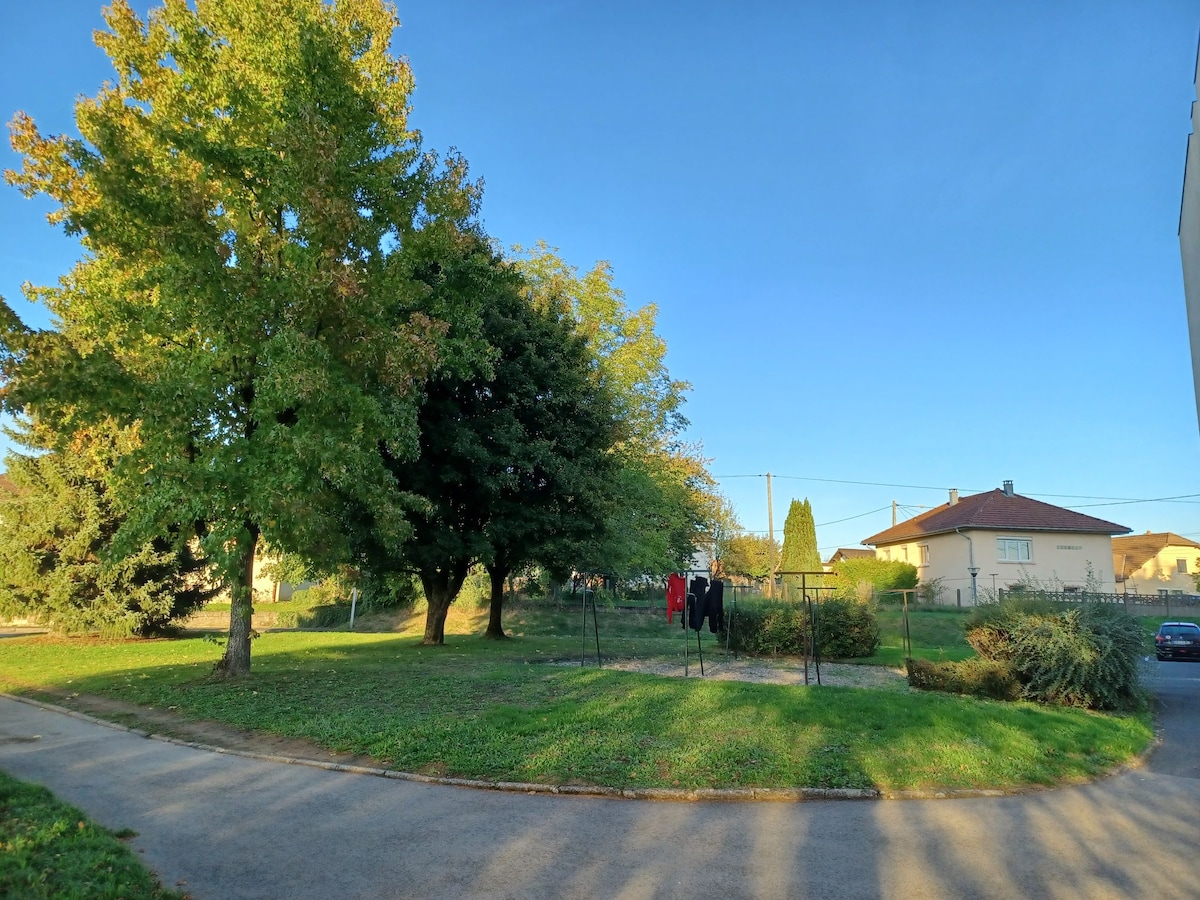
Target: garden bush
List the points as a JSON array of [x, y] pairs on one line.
[[1084, 656], [329, 615], [778, 628], [977, 677]]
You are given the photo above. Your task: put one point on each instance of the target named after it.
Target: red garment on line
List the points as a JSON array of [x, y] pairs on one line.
[[676, 595]]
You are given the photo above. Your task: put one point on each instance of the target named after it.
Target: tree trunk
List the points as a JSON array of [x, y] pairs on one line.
[[236, 661], [441, 587], [496, 574]]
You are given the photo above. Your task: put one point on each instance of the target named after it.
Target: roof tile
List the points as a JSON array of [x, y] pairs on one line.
[[998, 511]]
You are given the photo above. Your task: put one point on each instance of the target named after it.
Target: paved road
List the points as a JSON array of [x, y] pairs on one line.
[[236, 828]]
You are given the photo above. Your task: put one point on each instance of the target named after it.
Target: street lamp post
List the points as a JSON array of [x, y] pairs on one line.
[[974, 570]]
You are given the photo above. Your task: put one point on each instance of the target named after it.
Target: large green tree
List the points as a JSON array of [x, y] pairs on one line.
[[514, 457], [661, 498], [800, 553], [57, 520], [749, 555], [260, 229]]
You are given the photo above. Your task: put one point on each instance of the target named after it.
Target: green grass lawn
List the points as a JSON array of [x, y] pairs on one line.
[[49, 849], [936, 634], [501, 710]]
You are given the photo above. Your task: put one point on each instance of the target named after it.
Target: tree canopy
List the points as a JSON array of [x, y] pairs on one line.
[[262, 237], [515, 458], [800, 553], [662, 499]]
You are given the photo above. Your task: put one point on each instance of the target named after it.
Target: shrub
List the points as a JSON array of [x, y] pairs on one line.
[[977, 677], [1083, 656], [857, 579], [778, 628], [847, 629], [768, 628]]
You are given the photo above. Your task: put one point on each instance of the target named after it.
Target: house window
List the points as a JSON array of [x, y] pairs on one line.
[[1014, 549], [906, 552], [1181, 566], [1176, 593], [1162, 592], [924, 548]]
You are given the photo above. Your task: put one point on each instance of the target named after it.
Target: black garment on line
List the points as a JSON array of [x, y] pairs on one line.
[[696, 603], [714, 606]]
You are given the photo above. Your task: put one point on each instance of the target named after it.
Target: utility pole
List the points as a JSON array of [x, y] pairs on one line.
[[771, 532], [893, 513]]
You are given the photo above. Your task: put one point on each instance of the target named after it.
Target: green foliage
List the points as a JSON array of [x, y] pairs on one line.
[[931, 591], [57, 565], [660, 503], [768, 628], [49, 849], [750, 555], [514, 457], [860, 578], [781, 628], [847, 629], [976, 677], [1083, 656], [800, 553], [262, 237], [327, 615]]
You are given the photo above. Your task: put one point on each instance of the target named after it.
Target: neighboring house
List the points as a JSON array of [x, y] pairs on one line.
[[1189, 236], [847, 553], [1155, 563], [1003, 538]]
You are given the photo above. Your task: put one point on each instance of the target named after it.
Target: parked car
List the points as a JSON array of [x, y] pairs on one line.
[[1177, 640]]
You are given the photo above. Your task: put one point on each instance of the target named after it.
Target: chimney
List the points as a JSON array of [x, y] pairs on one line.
[[953, 496], [1008, 489]]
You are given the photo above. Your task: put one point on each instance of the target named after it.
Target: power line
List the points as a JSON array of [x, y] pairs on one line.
[[1182, 498], [848, 518]]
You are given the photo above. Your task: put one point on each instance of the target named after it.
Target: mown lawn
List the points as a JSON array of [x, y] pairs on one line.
[[506, 711], [936, 634], [49, 849]]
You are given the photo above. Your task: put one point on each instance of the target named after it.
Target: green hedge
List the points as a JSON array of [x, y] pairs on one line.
[[327, 616], [777, 628], [977, 676], [1086, 656]]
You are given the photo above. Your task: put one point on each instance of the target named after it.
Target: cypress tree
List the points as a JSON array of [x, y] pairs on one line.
[[800, 552]]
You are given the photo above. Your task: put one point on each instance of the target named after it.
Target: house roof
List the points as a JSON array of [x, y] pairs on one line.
[[850, 553], [1131, 552], [997, 511]]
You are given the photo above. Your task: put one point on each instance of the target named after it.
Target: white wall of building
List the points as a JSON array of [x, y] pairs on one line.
[[1056, 561], [1162, 573], [1189, 240]]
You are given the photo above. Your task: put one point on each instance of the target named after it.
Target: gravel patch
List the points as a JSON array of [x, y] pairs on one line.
[[773, 671]]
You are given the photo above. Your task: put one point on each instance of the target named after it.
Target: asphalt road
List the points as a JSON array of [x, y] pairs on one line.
[[229, 827]]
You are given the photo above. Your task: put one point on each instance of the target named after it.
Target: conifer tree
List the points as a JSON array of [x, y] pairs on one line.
[[800, 552], [57, 521]]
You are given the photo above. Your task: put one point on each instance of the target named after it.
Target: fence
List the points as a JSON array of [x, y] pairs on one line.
[[1167, 605]]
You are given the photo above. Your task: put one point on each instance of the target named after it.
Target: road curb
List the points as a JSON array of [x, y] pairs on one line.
[[673, 795]]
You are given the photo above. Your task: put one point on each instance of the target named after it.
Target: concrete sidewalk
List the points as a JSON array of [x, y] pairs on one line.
[[222, 826]]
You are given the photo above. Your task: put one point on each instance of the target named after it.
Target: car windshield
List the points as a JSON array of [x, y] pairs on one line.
[[1180, 630]]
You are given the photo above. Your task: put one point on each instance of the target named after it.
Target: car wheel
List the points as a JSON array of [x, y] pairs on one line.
[[1160, 657]]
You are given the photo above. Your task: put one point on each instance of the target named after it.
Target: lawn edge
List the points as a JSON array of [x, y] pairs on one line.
[[675, 795]]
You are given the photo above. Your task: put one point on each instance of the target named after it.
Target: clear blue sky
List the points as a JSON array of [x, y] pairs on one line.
[[924, 244]]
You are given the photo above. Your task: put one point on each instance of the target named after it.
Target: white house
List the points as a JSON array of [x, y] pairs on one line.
[[1156, 563], [983, 542]]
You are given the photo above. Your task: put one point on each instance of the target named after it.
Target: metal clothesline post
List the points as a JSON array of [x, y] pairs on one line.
[[595, 628]]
